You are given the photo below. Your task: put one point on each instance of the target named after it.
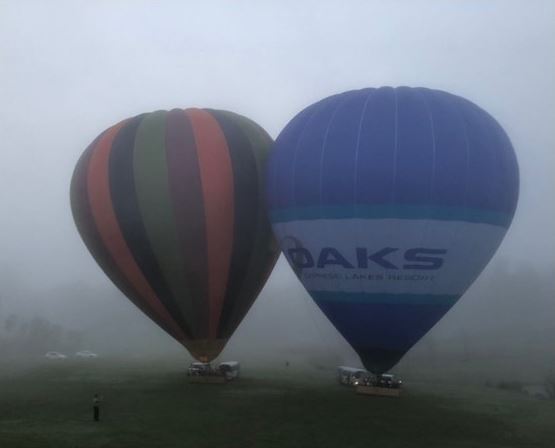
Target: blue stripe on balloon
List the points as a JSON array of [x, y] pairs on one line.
[[394, 146], [390, 326], [385, 299], [391, 212]]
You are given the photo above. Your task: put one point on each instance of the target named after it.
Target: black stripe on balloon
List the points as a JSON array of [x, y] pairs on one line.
[[246, 193], [126, 209], [187, 199], [85, 223], [265, 250]]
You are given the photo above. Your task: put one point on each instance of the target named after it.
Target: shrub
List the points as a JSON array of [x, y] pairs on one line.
[[550, 386], [515, 386]]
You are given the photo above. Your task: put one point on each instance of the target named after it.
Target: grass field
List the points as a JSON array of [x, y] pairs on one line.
[[151, 404]]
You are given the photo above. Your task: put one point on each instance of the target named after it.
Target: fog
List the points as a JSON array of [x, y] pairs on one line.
[[71, 69]]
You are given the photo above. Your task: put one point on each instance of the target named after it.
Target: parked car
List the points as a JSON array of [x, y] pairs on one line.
[[388, 380], [199, 368], [55, 355], [229, 369], [86, 354], [351, 376]]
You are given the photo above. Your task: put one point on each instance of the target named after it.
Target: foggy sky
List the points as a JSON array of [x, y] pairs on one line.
[[71, 69]]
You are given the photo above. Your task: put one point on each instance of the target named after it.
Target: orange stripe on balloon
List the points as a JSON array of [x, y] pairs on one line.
[[102, 209], [216, 176]]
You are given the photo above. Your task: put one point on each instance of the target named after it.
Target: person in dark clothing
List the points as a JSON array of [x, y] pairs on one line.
[[96, 407]]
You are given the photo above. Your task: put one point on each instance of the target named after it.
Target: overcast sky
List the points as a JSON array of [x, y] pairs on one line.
[[70, 69]]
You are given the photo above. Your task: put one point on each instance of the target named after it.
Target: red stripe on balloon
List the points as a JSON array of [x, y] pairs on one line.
[[217, 187], [102, 209]]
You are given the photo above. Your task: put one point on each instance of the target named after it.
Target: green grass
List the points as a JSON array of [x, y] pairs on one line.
[[153, 405]]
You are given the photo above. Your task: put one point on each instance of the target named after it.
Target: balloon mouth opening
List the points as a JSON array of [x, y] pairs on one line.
[[205, 350], [378, 360]]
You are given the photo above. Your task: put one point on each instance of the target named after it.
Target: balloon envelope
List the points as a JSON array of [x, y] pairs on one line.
[[388, 203], [171, 206]]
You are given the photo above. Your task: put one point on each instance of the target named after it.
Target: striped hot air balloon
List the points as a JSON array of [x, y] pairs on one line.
[[171, 206], [388, 203]]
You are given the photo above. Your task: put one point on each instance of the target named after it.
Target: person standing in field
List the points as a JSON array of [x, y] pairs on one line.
[[96, 407]]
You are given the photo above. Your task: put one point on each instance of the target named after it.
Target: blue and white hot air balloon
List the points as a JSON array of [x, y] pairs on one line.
[[388, 203]]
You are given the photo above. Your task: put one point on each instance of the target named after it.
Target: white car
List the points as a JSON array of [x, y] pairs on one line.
[[55, 355], [351, 376], [86, 354], [199, 369], [229, 369]]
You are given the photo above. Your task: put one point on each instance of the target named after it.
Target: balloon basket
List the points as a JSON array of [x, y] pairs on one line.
[[207, 379], [378, 391]]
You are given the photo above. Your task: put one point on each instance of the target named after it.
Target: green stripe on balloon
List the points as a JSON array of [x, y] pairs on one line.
[[151, 180], [261, 144]]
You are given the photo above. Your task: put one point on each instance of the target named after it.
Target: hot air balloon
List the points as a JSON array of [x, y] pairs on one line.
[[171, 206], [388, 203]]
